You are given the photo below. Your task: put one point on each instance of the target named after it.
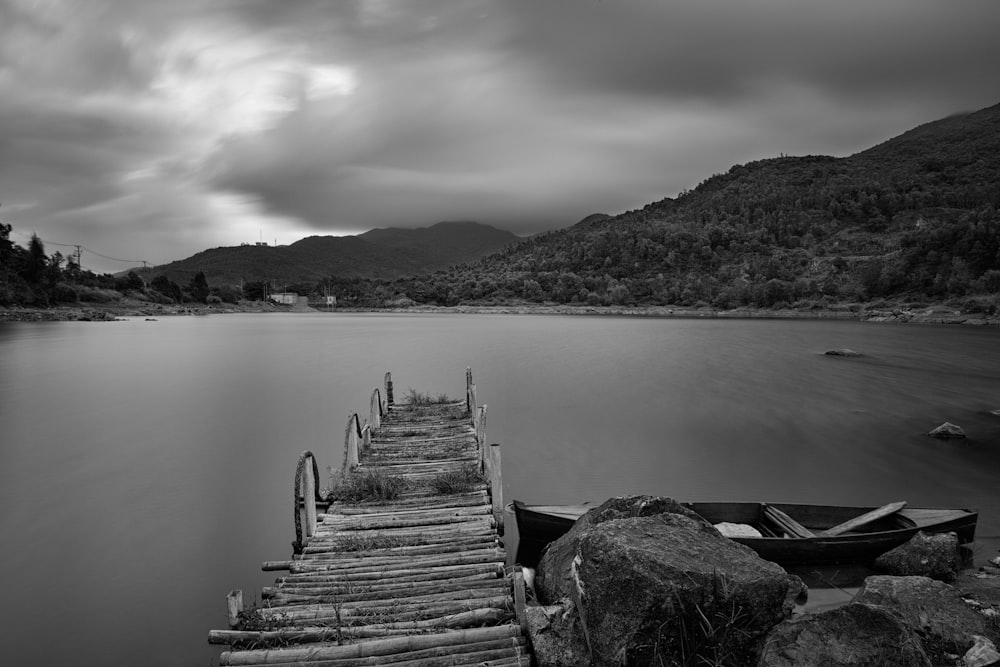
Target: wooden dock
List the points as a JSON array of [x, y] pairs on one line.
[[403, 565]]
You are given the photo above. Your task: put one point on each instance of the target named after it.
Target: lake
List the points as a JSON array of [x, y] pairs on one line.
[[146, 468]]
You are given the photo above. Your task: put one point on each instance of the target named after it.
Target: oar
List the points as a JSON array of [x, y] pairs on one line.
[[864, 519]]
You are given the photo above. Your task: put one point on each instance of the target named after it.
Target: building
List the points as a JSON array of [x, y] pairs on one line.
[[285, 298]]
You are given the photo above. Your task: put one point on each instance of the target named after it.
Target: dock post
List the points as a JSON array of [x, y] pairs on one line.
[[234, 601], [351, 458], [375, 410], [468, 388], [388, 388], [496, 484], [306, 474]]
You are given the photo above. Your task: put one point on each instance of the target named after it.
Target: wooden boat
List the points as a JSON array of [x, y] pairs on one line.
[[790, 534]]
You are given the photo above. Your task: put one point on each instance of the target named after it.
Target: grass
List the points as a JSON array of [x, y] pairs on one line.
[[459, 481], [713, 635], [367, 543], [366, 485], [414, 397]]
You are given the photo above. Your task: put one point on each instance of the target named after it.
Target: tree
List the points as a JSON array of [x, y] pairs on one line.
[[167, 288], [34, 268], [199, 288]]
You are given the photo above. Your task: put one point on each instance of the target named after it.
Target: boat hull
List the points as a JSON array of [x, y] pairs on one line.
[[538, 526]]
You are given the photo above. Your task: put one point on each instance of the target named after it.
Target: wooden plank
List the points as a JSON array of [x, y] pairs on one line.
[[864, 519], [787, 523], [234, 602]]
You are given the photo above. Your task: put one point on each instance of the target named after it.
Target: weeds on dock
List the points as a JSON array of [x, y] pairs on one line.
[[458, 481], [366, 485], [414, 397], [367, 543]]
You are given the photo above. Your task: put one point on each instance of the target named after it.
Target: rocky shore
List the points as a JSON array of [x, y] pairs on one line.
[[859, 312], [642, 580], [128, 310]]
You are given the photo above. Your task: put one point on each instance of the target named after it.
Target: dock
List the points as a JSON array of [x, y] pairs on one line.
[[401, 561]]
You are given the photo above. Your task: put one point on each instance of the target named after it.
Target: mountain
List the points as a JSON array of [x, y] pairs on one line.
[[379, 253], [911, 220]]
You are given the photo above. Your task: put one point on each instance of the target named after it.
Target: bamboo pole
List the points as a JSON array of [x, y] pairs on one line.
[[338, 584], [395, 610], [412, 574], [387, 566], [275, 565], [339, 593], [444, 544], [319, 634]]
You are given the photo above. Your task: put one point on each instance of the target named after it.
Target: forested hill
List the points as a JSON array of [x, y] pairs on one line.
[[912, 219], [379, 253]]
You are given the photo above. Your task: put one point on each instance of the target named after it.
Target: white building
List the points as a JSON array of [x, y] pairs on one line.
[[286, 298]]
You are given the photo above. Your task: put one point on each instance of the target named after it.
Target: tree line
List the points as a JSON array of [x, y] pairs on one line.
[[30, 277]]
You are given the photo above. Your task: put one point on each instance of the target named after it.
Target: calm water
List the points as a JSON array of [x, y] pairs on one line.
[[146, 468]]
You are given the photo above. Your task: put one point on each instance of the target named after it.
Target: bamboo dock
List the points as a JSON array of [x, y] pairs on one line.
[[412, 579]]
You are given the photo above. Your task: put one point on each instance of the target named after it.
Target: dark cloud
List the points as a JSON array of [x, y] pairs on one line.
[[167, 127]]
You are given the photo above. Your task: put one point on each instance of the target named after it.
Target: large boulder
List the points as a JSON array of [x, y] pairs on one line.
[[663, 588], [557, 635], [855, 634], [947, 621], [553, 581], [934, 556]]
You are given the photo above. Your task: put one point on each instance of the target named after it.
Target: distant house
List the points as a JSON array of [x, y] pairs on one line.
[[330, 301], [286, 298]]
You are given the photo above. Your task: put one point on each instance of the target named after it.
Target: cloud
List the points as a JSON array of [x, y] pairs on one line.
[[158, 129]]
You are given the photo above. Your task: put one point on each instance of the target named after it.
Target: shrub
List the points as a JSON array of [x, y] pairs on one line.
[[213, 300], [367, 485], [459, 481], [414, 397], [63, 293], [98, 295]]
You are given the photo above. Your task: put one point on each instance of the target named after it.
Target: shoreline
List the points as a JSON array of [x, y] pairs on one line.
[[849, 312]]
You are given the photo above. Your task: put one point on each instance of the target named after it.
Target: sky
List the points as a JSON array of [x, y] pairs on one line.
[[149, 130]]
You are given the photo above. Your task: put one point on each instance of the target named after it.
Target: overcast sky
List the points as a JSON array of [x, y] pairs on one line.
[[152, 129]]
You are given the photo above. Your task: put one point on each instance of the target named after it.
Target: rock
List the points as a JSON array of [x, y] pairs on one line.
[[855, 634], [947, 431], [657, 589], [842, 352], [557, 635], [737, 529], [945, 619], [981, 589], [553, 581], [934, 556], [982, 654]]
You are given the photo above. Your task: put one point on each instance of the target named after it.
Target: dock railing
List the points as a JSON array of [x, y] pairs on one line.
[[489, 455]]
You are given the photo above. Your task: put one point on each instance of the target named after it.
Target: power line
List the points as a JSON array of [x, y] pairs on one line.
[[83, 247]]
